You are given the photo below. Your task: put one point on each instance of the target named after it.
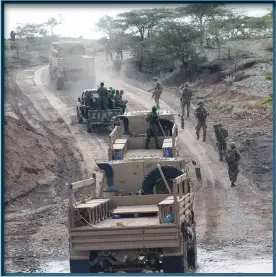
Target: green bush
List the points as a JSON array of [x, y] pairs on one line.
[[268, 76], [266, 100]]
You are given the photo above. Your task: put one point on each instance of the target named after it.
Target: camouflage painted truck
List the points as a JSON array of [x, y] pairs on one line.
[[129, 139], [142, 218], [71, 61], [94, 116]]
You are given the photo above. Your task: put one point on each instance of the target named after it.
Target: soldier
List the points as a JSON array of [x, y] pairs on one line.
[[108, 52], [221, 135], [117, 64], [152, 130], [103, 95], [157, 91], [201, 115], [232, 158], [121, 94], [186, 99]]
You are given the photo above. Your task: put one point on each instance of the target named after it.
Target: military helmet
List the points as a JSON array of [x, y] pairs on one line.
[[219, 124], [233, 145], [154, 108], [200, 103], [102, 84], [121, 91], [155, 79]]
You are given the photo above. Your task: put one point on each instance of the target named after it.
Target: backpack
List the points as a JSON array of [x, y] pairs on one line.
[[201, 115], [159, 87], [230, 156], [222, 134]]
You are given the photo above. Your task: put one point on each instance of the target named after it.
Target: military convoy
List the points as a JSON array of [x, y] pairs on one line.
[[139, 216], [71, 61]]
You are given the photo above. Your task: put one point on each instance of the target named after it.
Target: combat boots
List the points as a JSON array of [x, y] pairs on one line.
[[233, 184], [197, 135]]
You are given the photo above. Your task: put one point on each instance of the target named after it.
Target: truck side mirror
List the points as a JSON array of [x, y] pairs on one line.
[[79, 99]]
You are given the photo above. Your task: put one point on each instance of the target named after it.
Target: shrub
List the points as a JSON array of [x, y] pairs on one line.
[[268, 76]]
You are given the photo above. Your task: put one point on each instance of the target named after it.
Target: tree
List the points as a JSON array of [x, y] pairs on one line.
[[177, 41], [30, 30], [53, 22], [141, 25], [201, 13]]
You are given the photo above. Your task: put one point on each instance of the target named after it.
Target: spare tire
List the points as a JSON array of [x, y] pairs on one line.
[[167, 126], [154, 178]]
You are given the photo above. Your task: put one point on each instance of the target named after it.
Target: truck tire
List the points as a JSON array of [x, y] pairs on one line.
[[153, 177], [192, 253], [176, 264], [60, 83], [167, 126], [80, 120]]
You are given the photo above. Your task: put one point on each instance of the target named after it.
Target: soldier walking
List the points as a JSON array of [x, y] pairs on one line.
[[232, 158], [185, 99], [157, 91], [201, 114], [221, 136], [152, 130], [103, 96]]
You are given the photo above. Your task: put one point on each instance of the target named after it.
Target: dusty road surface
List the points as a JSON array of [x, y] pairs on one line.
[[234, 225]]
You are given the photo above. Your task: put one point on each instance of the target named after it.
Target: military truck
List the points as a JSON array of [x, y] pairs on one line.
[[93, 114], [129, 139], [121, 229], [71, 61]]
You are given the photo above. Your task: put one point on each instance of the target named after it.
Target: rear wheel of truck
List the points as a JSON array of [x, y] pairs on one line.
[[154, 179], [192, 253], [60, 83], [88, 128], [79, 117], [176, 264]]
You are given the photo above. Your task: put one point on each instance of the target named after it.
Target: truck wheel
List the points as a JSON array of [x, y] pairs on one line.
[[79, 117], [79, 266], [88, 128], [192, 253], [175, 264], [60, 83], [167, 126], [153, 178]]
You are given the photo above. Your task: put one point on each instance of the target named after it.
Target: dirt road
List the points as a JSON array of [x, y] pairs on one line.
[[234, 225]]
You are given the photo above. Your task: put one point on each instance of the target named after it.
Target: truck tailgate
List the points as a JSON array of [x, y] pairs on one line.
[[89, 238]]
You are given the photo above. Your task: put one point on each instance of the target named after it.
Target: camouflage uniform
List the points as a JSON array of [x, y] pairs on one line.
[[185, 100], [201, 115], [152, 130], [221, 135], [157, 91], [103, 96], [233, 167]]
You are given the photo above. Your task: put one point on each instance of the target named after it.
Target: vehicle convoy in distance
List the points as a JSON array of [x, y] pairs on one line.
[[142, 217], [71, 61], [90, 111]]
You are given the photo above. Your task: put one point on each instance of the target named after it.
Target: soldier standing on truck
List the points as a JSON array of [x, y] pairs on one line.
[[121, 94], [157, 91], [232, 158], [185, 99], [152, 130], [103, 96], [221, 135], [201, 114], [118, 102]]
